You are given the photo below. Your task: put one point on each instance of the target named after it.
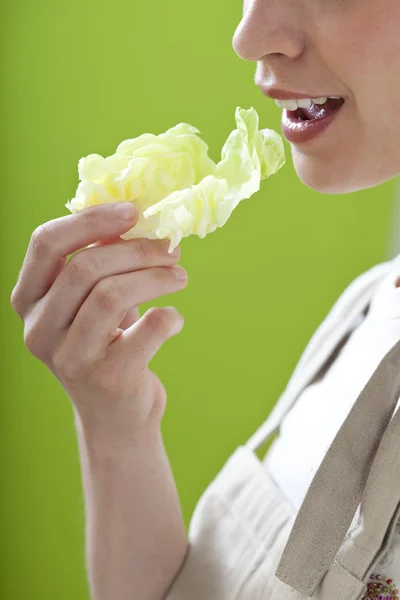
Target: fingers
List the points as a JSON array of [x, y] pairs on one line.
[[146, 336], [53, 241], [88, 268], [130, 318], [93, 328]]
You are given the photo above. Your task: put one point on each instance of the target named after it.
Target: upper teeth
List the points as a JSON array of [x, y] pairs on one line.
[[302, 102]]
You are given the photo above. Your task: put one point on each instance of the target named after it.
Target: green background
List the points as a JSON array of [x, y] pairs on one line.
[[79, 77]]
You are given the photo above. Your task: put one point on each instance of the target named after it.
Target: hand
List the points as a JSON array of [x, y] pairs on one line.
[[81, 317]]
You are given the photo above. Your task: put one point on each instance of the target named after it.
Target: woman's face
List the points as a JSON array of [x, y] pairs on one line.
[[347, 48]]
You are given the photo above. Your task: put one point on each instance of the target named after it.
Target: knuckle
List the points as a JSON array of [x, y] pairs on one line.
[[42, 240], [80, 268], [84, 323], [14, 300], [32, 339], [68, 367], [108, 294]]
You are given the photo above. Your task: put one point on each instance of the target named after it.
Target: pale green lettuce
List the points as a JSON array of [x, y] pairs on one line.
[[176, 186]]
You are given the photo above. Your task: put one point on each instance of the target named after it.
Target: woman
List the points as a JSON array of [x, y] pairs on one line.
[[291, 526]]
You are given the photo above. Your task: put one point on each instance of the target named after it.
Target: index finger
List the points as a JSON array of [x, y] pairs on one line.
[[53, 241]]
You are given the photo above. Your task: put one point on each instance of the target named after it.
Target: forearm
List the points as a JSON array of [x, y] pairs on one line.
[[135, 535]]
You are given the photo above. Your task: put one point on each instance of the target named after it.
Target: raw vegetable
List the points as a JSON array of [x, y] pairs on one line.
[[176, 186]]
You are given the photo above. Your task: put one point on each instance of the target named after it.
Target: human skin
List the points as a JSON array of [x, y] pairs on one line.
[[135, 537], [81, 319], [348, 48]]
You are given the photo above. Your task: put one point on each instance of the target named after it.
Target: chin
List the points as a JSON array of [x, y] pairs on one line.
[[334, 178]]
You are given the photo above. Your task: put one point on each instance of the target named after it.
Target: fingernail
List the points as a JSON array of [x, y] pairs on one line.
[[179, 272], [125, 210]]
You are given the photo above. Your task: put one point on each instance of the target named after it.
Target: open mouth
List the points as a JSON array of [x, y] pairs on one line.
[[305, 119], [316, 111]]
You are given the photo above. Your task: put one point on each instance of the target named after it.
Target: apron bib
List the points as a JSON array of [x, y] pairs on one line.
[[248, 542]]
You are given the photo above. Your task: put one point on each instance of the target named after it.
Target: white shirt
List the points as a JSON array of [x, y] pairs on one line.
[[311, 425], [241, 522]]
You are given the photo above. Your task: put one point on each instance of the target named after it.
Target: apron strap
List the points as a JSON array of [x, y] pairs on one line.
[[336, 489], [380, 507], [354, 300]]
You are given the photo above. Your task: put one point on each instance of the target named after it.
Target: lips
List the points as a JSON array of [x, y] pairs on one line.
[[305, 124], [279, 94]]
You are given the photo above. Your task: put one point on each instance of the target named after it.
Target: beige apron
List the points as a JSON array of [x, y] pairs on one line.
[[248, 542]]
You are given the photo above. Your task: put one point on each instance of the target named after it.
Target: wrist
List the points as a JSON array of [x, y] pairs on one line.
[[106, 440]]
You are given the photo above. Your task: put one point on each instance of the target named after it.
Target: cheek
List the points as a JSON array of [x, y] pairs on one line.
[[360, 42], [367, 62], [367, 54], [360, 47]]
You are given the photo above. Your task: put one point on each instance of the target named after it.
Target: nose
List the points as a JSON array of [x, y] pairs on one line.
[[269, 28]]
